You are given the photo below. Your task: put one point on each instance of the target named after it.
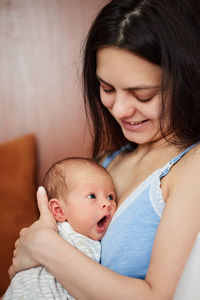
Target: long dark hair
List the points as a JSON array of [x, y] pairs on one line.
[[167, 34]]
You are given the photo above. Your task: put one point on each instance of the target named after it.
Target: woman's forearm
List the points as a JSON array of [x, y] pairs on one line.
[[84, 278]]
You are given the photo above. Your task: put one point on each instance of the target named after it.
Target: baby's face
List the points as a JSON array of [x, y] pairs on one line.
[[91, 203]]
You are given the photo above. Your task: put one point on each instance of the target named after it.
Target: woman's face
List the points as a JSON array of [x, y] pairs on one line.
[[130, 90]]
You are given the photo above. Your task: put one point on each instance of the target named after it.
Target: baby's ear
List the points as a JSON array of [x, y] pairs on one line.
[[57, 210]]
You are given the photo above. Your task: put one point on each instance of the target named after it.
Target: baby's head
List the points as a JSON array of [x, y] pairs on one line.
[[81, 192]]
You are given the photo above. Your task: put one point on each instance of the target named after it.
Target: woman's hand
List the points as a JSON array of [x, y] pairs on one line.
[[24, 254]]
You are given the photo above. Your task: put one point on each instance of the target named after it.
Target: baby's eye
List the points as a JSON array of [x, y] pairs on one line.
[[91, 196], [110, 197]]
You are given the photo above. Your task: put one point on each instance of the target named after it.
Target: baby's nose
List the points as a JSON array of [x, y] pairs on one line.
[[106, 204]]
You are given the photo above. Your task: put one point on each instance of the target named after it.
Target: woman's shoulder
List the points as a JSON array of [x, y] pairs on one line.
[[191, 161], [186, 173]]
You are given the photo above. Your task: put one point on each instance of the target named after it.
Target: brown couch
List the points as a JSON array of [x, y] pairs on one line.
[[17, 196]]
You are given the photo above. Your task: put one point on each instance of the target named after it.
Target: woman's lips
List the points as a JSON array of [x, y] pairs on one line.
[[134, 125]]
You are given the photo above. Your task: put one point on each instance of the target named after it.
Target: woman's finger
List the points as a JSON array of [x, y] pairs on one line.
[[11, 272], [45, 215], [22, 231], [42, 201], [16, 243], [14, 253]]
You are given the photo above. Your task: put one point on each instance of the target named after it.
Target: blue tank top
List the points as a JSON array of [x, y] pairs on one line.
[[128, 242]]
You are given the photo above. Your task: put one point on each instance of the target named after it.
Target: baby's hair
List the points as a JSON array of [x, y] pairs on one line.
[[56, 178]]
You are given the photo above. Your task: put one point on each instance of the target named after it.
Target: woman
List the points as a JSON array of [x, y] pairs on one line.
[[141, 83]]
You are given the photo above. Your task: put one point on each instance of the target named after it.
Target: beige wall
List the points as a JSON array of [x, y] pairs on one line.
[[40, 42]]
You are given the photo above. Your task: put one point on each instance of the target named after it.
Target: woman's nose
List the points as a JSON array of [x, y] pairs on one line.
[[123, 106]]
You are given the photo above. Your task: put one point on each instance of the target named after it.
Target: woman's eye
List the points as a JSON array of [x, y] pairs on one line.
[[145, 96], [110, 197], [108, 91], [91, 196], [143, 99]]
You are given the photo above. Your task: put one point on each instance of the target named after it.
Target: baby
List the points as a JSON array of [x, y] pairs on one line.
[[82, 200]]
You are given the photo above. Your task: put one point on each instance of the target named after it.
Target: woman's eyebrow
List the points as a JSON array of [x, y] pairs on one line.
[[135, 88], [103, 81]]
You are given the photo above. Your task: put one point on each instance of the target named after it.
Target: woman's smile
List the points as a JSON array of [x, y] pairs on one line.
[[134, 125]]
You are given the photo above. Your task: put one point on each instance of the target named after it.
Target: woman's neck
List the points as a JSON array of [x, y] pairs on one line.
[[161, 145]]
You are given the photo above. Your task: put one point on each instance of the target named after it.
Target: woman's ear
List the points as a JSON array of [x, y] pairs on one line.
[[57, 210]]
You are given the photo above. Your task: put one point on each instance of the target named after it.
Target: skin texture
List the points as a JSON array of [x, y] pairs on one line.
[[180, 221]]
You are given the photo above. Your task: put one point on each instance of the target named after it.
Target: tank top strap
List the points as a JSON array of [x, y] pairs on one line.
[[174, 160], [108, 159]]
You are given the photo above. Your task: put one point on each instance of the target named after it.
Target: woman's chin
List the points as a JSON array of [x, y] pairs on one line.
[[141, 138]]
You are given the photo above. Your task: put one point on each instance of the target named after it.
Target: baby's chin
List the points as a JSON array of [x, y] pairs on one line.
[[97, 236]]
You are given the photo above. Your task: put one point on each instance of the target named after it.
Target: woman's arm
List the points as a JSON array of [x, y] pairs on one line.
[[86, 280], [81, 276]]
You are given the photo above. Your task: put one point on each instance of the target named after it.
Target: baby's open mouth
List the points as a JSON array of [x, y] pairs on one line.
[[102, 221]]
